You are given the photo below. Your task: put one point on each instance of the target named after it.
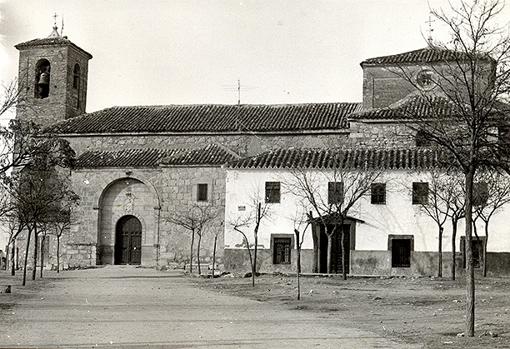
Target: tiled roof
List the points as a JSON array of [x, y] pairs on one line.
[[313, 158], [211, 118], [414, 107], [51, 41], [423, 55], [209, 155]]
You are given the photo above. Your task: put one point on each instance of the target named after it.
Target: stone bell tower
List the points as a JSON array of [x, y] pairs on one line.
[[52, 78]]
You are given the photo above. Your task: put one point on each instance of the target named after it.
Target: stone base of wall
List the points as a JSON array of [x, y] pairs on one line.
[[237, 260], [372, 263]]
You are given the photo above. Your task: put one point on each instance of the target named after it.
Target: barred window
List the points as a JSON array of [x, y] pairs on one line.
[[378, 193], [272, 192], [281, 250], [422, 139], [420, 193], [335, 193]]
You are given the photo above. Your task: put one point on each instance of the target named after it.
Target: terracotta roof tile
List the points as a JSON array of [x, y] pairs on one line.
[[415, 107], [209, 155], [423, 55], [359, 158], [211, 118]]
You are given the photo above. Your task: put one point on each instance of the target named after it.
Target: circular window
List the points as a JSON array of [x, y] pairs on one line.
[[425, 79]]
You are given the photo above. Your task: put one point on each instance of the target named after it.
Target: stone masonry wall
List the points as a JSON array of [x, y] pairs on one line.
[[156, 196]]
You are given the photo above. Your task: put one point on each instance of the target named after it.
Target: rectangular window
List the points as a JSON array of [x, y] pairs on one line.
[[272, 192], [401, 253], [477, 249], [420, 193], [480, 193], [335, 193], [378, 193], [281, 250], [202, 192]]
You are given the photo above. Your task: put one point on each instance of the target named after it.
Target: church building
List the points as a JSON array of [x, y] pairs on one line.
[[141, 168]]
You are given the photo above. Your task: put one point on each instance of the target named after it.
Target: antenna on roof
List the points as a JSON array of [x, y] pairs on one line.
[[62, 28], [430, 40]]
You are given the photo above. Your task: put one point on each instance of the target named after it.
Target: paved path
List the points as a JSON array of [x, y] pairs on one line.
[[134, 307]]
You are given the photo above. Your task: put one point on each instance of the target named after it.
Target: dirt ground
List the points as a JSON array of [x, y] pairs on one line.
[[130, 307], [426, 311]]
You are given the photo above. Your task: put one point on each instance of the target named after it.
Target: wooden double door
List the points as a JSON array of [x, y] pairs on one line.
[[128, 241]]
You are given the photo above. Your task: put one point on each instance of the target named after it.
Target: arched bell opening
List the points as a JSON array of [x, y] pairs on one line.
[[42, 78]]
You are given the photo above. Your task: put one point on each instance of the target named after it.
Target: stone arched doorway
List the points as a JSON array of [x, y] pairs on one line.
[[121, 199], [128, 241]]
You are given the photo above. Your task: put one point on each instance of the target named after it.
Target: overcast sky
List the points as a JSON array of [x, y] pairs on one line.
[[191, 51]]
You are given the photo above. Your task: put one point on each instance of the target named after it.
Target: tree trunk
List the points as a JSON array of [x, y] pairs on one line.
[[13, 257], [330, 255], [58, 253], [298, 266], [485, 249], [440, 250], [255, 250], [36, 248], [251, 259], [214, 255], [191, 251], [43, 242], [26, 257], [470, 272], [454, 249], [344, 257], [198, 253]]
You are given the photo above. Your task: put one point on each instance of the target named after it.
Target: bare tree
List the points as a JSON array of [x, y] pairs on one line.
[[490, 199], [347, 183], [465, 101], [457, 211], [258, 210], [194, 219], [438, 205], [301, 221]]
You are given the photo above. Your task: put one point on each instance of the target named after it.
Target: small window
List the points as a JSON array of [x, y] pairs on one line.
[[422, 139], [272, 192], [420, 193], [477, 249], [76, 77], [202, 192], [378, 193], [335, 193], [401, 252], [480, 193], [425, 79], [281, 250]]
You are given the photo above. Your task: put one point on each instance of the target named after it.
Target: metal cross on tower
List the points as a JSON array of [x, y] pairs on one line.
[[430, 40]]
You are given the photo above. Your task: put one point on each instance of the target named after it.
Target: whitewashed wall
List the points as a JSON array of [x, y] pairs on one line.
[[398, 216]]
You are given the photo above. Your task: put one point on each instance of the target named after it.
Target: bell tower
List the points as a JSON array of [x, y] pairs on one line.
[[52, 79]]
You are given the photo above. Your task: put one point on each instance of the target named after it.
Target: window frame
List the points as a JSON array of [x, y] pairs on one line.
[[374, 195], [276, 238], [272, 192], [391, 239], [416, 193], [199, 192], [335, 196]]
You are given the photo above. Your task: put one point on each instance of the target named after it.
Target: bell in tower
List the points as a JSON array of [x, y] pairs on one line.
[[42, 88]]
